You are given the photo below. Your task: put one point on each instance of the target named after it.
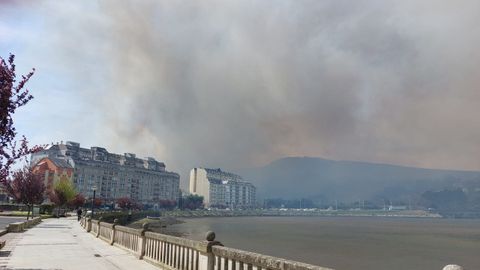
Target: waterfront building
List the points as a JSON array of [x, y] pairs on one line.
[[143, 180], [222, 189]]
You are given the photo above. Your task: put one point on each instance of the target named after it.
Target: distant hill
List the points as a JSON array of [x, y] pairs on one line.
[[327, 180]]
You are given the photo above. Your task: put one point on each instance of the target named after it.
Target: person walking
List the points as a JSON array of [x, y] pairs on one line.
[[79, 213]]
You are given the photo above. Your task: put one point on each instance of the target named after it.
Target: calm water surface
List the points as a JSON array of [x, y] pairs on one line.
[[349, 243]]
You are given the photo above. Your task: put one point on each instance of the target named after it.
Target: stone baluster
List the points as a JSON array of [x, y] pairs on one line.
[[210, 237], [98, 227], [89, 224], [115, 222], [142, 241]]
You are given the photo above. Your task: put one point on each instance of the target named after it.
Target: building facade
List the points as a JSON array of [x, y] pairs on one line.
[[143, 180], [52, 170], [222, 189]]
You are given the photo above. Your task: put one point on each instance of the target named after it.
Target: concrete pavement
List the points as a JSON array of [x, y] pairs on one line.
[[63, 244]]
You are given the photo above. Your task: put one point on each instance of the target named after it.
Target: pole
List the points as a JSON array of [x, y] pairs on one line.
[[93, 201]]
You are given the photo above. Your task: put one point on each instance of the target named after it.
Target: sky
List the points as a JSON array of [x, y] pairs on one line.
[[237, 84]]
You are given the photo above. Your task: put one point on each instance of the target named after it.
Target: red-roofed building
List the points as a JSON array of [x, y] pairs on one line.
[[52, 170]]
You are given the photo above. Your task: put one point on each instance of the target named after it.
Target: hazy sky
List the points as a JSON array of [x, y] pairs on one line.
[[240, 83]]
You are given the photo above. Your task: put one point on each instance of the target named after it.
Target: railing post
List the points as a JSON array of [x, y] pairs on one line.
[[98, 227], [115, 222], [142, 241], [89, 224], [210, 236], [453, 267]]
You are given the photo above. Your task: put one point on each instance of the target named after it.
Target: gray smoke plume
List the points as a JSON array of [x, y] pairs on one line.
[[240, 83]]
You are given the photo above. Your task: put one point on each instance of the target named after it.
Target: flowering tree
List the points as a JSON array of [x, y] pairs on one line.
[[78, 201], [26, 187], [12, 96], [97, 202], [125, 203]]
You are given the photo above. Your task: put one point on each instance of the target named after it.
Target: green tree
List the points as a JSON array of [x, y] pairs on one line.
[[125, 203], [63, 192], [192, 202]]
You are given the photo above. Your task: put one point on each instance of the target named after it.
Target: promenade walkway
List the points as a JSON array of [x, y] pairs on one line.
[[63, 244]]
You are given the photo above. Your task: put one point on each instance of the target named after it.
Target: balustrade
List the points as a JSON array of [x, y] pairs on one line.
[[176, 253], [127, 238], [94, 227], [106, 231]]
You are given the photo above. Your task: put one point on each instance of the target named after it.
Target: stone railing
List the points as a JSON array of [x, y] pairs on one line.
[[171, 252], [127, 238], [105, 231], [176, 253], [94, 226], [21, 226], [233, 259]]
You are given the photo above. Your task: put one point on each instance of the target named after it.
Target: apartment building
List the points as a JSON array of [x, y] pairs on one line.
[[222, 189], [114, 175]]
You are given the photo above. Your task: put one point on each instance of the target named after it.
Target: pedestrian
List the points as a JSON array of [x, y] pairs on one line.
[[79, 213]]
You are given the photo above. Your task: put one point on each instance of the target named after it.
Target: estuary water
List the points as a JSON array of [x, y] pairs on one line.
[[349, 243]]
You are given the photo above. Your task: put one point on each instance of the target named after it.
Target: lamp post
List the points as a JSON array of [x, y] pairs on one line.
[[94, 188]]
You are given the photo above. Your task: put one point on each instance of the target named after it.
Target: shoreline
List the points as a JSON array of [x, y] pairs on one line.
[[165, 224], [301, 213]]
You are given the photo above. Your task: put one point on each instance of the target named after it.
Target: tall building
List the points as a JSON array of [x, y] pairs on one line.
[[143, 180], [222, 189]]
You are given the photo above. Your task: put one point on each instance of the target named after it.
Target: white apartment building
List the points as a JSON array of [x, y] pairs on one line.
[[143, 180], [222, 189]]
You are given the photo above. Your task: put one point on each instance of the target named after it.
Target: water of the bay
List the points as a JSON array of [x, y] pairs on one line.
[[348, 243]]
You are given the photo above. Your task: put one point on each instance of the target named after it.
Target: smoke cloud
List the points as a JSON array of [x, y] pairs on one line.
[[240, 83]]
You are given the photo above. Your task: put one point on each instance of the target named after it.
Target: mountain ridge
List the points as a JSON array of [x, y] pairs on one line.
[[368, 163], [328, 180]]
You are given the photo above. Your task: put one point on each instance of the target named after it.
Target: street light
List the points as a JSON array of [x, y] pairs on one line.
[[94, 188]]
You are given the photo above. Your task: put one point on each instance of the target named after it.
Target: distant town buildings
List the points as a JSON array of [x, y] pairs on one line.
[[397, 207], [222, 189], [143, 180]]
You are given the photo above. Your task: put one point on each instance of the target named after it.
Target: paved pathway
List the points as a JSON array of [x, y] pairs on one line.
[[63, 244], [11, 240]]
